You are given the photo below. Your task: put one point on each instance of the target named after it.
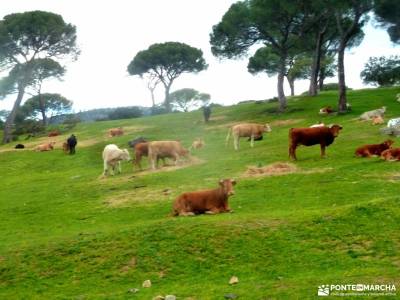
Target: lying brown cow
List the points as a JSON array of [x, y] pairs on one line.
[[250, 130], [53, 133], [45, 147], [391, 154], [115, 132], [373, 149], [165, 149], [207, 201], [326, 110], [312, 136]]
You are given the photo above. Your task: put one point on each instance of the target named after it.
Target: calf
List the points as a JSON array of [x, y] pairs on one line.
[[65, 147], [207, 201], [165, 149], [391, 154], [112, 156], [326, 110], [377, 120], [250, 130], [45, 147], [324, 136], [19, 146], [115, 132], [373, 149], [197, 144]]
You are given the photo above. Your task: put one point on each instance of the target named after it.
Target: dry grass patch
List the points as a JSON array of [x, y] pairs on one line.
[[145, 195], [280, 168], [286, 122]]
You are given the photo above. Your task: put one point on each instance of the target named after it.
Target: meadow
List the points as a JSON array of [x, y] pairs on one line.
[[66, 233]]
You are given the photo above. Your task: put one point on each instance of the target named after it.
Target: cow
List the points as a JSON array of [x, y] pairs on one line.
[[65, 147], [53, 133], [324, 136], [391, 154], [45, 147], [72, 142], [142, 149], [112, 156], [319, 124], [206, 201], [115, 132], [368, 115], [165, 149], [377, 120], [197, 144], [326, 110], [19, 146], [137, 141], [250, 130], [373, 149], [393, 123]]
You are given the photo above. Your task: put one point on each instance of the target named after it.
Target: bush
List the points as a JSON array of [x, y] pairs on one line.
[[158, 110], [29, 126], [382, 71], [125, 113], [332, 87]]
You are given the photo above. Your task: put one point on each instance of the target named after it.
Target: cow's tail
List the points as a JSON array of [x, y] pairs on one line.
[[228, 136]]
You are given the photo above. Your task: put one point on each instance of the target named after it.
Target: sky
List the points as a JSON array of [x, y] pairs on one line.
[[111, 33]]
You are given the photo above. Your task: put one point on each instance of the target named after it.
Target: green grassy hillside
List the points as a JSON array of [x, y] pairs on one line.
[[66, 233]]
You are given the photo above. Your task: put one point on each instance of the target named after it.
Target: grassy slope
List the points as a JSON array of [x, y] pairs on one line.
[[63, 235]]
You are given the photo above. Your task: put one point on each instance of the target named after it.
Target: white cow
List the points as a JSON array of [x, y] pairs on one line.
[[368, 115], [112, 157], [393, 123]]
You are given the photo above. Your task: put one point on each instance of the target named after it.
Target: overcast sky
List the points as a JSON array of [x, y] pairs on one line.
[[110, 33]]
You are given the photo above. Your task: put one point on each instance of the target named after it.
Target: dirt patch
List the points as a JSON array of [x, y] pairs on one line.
[[285, 122], [169, 168], [130, 265], [218, 118], [280, 168], [143, 196]]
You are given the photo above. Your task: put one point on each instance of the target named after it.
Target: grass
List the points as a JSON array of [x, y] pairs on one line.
[[67, 234]]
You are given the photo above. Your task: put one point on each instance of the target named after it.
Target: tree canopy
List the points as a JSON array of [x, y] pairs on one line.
[[387, 13], [25, 38], [187, 98], [167, 61], [382, 71]]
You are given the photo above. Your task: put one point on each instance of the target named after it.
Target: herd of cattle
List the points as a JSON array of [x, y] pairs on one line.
[[216, 200]]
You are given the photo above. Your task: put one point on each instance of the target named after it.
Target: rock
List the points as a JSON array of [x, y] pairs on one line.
[[230, 296], [133, 291], [233, 280], [146, 283], [170, 297], [159, 297]]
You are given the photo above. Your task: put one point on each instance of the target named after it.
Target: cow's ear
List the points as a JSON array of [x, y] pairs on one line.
[[221, 182], [233, 181]]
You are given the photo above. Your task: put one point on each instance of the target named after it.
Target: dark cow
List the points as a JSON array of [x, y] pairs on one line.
[[207, 201], [137, 141], [324, 136], [72, 141], [19, 146], [373, 149]]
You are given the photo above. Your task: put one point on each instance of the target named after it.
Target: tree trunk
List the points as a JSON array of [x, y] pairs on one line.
[[167, 103], [342, 106], [321, 78], [42, 110], [7, 136], [153, 101], [281, 92], [291, 84], [316, 65]]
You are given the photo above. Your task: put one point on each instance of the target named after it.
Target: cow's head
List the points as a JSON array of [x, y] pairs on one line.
[[125, 155], [386, 155], [267, 128], [335, 129], [388, 143], [227, 186]]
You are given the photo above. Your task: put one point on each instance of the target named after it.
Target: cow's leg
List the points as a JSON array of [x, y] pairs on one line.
[[252, 141], [323, 150], [105, 169], [292, 151], [186, 214], [213, 211], [119, 167]]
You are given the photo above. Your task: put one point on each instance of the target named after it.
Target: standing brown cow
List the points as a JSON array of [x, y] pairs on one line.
[[207, 201], [165, 149], [312, 136]]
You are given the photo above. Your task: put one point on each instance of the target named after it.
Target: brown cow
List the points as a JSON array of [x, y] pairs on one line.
[[142, 149], [65, 147], [115, 132], [373, 149], [207, 201], [53, 133], [312, 136], [165, 149], [251, 130], [391, 154], [45, 147]]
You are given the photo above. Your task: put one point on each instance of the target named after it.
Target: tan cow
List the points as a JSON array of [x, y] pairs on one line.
[[377, 120], [165, 149], [250, 130], [45, 147], [197, 144], [115, 132]]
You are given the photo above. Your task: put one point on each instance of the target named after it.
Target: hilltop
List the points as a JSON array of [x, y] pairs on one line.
[[67, 233]]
